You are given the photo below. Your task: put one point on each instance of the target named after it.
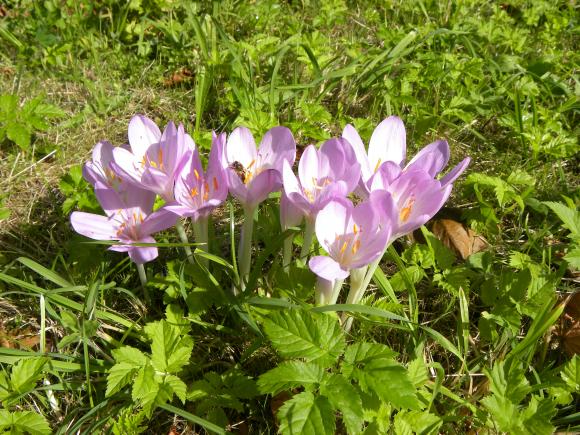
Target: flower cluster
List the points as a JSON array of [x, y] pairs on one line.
[[394, 198]]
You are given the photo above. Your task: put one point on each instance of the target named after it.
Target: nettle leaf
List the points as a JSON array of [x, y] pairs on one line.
[[573, 258], [290, 374], [23, 422], [571, 374], [120, 375], [307, 414], [568, 215], [344, 397], [177, 386], [304, 334], [169, 350], [130, 355], [19, 134], [150, 390], [417, 422], [537, 416], [372, 365], [25, 374], [511, 384]]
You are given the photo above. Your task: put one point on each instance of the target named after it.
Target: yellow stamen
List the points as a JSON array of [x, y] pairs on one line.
[[143, 161], [377, 165], [355, 229], [355, 246], [141, 217], [196, 174], [251, 163], [160, 158], [343, 248], [215, 183], [153, 164], [406, 211], [193, 192]]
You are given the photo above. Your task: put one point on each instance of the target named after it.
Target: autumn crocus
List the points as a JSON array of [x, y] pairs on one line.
[[252, 175], [353, 237], [154, 159], [198, 192], [323, 174]]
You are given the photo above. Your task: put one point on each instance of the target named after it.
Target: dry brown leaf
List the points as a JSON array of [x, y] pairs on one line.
[[457, 237], [277, 401], [174, 431], [569, 327], [178, 77], [18, 339]]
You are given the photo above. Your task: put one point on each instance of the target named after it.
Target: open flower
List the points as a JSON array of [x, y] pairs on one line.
[[254, 173], [197, 192], [126, 225], [323, 174], [155, 159], [352, 236]]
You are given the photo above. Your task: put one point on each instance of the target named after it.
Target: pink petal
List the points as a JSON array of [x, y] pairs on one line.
[[327, 268], [277, 146], [352, 136], [388, 143], [452, 175], [142, 133], [241, 147], [432, 158], [94, 226]]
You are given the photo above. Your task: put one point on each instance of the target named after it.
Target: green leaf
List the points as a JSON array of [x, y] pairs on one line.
[[149, 390], [303, 334], [511, 384], [569, 216], [344, 397], [537, 416], [26, 373], [377, 372], [24, 421], [8, 106], [130, 355], [177, 386], [169, 350], [307, 414], [120, 375], [417, 422], [290, 374], [573, 258], [19, 134], [571, 374]]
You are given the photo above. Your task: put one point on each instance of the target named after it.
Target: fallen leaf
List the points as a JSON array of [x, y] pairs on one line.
[[178, 77], [277, 401], [569, 327], [457, 237]]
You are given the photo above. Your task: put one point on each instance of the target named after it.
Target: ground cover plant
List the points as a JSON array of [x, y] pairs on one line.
[[332, 217]]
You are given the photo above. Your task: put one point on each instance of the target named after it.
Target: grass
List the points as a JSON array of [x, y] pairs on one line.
[[497, 80]]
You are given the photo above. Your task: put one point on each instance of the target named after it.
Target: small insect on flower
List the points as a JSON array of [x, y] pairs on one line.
[[239, 169]]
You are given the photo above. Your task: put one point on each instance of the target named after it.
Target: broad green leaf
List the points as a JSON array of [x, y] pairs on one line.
[[417, 422], [177, 386], [307, 414], [290, 374], [344, 397], [26, 373], [130, 355], [511, 384], [120, 375], [169, 350], [537, 416], [361, 353], [571, 374], [8, 106], [24, 421], [503, 412], [145, 384], [19, 134], [573, 258], [569, 216], [303, 334]]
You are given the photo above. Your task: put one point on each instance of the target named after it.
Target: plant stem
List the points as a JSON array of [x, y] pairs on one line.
[[307, 239], [184, 239], [287, 253], [200, 229], [143, 278], [245, 248], [358, 286], [335, 291]]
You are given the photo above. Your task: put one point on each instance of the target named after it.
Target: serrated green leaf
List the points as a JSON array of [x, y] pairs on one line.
[[8, 106], [571, 374], [26, 373], [344, 397], [49, 111], [303, 334], [24, 421], [120, 375], [290, 374], [177, 386], [511, 384], [569, 216], [130, 355], [537, 416], [417, 422], [19, 134], [573, 258], [307, 414], [169, 350], [361, 353], [148, 389]]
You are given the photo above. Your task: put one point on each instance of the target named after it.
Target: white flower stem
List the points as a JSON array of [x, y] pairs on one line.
[[184, 239], [335, 291], [307, 239], [200, 229], [245, 247], [358, 286], [143, 278]]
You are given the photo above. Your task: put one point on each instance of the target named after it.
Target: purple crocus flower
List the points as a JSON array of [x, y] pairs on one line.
[[126, 225], [352, 236], [254, 173], [323, 174], [197, 192], [155, 159]]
